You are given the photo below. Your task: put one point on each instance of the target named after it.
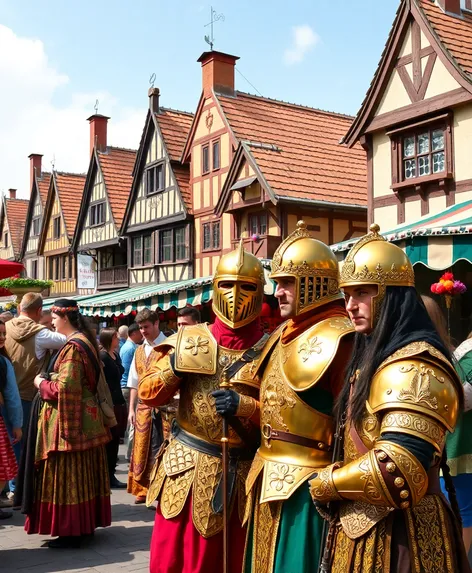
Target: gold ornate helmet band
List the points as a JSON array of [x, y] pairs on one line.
[[238, 288], [375, 261], [312, 264]]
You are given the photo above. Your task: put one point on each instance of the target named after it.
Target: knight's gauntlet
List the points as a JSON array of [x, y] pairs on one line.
[[388, 475]]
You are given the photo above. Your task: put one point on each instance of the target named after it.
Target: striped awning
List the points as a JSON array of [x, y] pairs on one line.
[[436, 241], [156, 297]]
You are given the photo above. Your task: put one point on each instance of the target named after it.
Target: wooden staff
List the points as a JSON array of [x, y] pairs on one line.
[[225, 384]]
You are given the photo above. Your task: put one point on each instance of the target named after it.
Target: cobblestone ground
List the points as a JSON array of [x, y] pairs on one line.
[[122, 547]]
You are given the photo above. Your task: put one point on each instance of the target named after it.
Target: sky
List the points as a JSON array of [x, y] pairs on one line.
[[58, 57]]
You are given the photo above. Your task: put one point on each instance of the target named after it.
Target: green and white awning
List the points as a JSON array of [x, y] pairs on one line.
[[154, 296], [436, 241]]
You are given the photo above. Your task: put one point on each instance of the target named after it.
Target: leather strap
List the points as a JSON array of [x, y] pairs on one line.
[[282, 436]]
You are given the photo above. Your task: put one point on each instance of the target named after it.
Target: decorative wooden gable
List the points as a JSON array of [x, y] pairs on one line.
[[422, 69], [160, 181], [61, 212]]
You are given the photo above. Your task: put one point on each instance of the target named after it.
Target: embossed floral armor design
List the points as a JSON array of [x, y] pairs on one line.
[[193, 362], [414, 392]]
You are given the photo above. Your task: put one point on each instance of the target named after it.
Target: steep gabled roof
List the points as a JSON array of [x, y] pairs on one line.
[[117, 168], [297, 149], [455, 34], [15, 211], [41, 186], [70, 188], [450, 35], [174, 127]]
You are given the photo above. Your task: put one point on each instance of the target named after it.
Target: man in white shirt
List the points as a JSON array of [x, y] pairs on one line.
[[149, 436]]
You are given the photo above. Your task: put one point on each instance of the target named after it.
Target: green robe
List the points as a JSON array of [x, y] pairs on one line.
[[300, 529]]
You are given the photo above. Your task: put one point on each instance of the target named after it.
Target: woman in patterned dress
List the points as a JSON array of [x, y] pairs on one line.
[[71, 495]]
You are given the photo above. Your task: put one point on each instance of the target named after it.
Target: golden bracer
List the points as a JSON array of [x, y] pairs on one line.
[[191, 463], [415, 392]]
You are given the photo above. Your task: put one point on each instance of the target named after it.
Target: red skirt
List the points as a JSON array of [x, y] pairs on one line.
[[177, 547], [71, 494], [8, 465]]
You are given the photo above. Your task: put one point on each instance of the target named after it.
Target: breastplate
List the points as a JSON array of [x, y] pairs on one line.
[[282, 409], [197, 414]]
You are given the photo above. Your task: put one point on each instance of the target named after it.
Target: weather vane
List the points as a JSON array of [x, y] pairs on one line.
[[53, 162], [210, 40], [96, 106], [152, 79]]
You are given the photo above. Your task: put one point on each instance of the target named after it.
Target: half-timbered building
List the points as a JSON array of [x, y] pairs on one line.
[[58, 227], [106, 194], [12, 226], [416, 120], [258, 165], [158, 217], [39, 186]]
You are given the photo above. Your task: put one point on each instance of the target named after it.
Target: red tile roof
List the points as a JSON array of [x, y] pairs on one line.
[[70, 188], [454, 33], [182, 174], [174, 126], [306, 160], [43, 186], [16, 210], [117, 168]]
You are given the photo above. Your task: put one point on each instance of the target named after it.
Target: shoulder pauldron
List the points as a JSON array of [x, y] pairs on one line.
[[196, 350], [307, 358], [417, 378]]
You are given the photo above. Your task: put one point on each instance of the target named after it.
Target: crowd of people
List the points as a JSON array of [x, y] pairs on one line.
[[327, 446]]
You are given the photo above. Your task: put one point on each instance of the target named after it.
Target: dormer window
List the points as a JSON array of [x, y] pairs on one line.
[[421, 153], [155, 180], [97, 214]]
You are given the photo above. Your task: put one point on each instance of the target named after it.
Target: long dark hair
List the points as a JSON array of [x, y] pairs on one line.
[[3, 371], [80, 323], [403, 319]]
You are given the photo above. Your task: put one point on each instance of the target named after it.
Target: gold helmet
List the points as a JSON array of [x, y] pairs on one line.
[[375, 261], [238, 288], [312, 264]]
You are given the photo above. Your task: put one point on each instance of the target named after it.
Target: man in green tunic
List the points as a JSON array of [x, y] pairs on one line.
[[301, 368]]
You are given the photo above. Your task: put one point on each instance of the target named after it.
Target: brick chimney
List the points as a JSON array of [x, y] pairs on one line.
[[153, 94], [35, 167], [12, 193], [217, 72], [451, 6], [98, 132]]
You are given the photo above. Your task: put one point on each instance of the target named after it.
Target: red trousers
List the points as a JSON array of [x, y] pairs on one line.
[[177, 547]]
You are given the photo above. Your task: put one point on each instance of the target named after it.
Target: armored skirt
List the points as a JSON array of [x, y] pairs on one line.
[[274, 545], [70, 488]]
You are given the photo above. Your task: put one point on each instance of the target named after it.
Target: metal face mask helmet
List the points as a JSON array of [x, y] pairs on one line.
[[238, 288], [375, 261], [313, 266]]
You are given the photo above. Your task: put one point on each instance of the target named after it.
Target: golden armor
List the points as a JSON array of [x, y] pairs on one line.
[[415, 392], [185, 466], [373, 260], [313, 266], [238, 288], [292, 369]]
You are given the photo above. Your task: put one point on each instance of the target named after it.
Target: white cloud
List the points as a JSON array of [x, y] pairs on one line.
[[32, 123], [304, 39]]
